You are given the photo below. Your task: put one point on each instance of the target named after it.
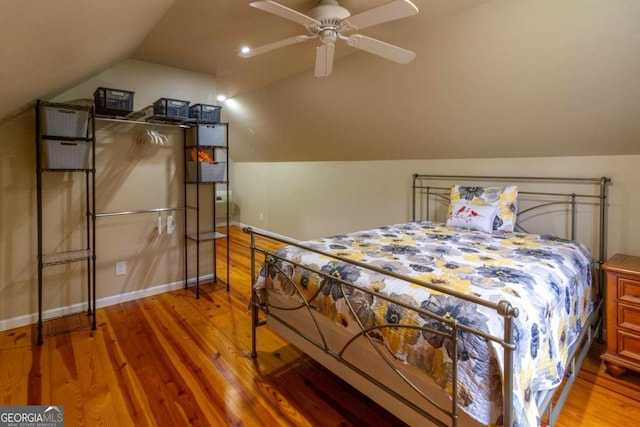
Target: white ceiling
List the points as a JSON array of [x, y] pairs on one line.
[[492, 78]]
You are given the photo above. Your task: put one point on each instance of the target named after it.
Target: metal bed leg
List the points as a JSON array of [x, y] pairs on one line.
[[253, 301], [254, 325]]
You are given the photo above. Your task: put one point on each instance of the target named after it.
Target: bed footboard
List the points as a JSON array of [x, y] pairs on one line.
[[316, 334]]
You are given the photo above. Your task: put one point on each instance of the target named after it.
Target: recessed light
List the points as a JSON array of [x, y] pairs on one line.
[[221, 98]]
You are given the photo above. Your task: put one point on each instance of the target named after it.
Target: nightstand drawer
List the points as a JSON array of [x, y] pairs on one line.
[[623, 313], [629, 345], [629, 290], [629, 317]]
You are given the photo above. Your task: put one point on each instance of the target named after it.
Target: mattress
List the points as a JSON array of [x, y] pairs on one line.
[[547, 279]]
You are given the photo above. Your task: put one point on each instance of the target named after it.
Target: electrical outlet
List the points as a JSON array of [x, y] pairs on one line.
[[121, 268], [261, 217]]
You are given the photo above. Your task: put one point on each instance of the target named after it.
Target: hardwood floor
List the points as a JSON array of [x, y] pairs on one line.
[[173, 360]]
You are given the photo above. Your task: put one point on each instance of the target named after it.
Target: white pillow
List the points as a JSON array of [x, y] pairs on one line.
[[505, 198], [469, 215]]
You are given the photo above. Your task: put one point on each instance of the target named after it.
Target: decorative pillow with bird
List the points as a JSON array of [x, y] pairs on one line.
[[504, 198]]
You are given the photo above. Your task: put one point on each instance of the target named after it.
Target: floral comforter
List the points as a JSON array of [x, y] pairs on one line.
[[548, 279]]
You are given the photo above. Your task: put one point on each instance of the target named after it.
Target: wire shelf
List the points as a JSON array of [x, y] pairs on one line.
[[65, 257]]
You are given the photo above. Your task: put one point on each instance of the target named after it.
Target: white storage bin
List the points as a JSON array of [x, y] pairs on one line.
[[209, 172], [68, 122], [207, 135], [65, 154]]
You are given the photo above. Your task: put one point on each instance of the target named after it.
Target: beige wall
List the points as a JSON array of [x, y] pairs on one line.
[[313, 199], [129, 176]]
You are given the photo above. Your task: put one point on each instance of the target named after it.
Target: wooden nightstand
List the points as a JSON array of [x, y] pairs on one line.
[[623, 314]]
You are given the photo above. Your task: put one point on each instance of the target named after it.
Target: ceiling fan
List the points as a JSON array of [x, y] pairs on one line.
[[330, 22]]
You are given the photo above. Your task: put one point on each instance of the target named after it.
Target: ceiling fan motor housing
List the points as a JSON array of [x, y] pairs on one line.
[[329, 12]]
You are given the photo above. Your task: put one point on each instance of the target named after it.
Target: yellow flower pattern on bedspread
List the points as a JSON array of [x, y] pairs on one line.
[[546, 278]]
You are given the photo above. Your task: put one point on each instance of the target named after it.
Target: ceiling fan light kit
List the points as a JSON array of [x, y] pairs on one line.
[[330, 22]]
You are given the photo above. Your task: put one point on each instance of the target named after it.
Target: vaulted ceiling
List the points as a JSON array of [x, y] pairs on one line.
[[492, 78]]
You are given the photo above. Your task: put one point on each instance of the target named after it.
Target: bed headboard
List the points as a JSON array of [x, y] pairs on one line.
[[570, 208]]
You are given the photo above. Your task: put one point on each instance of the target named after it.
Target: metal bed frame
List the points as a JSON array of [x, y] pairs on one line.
[[430, 195]]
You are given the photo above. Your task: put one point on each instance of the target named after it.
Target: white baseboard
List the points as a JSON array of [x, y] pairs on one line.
[[32, 318]]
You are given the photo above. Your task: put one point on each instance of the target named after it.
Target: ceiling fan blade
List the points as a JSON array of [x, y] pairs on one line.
[[380, 48], [275, 45], [284, 12], [324, 60], [391, 11]]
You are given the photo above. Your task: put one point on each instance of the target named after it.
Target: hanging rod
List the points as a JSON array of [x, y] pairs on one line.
[[143, 122], [138, 212]]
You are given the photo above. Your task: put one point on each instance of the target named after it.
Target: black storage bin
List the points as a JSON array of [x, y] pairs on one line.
[[113, 102], [205, 113], [173, 108]]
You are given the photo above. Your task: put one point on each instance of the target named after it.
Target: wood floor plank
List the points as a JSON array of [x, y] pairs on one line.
[[15, 360], [191, 354], [228, 358], [123, 382], [172, 359]]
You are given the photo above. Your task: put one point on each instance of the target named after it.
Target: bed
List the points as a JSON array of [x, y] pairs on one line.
[[460, 316]]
